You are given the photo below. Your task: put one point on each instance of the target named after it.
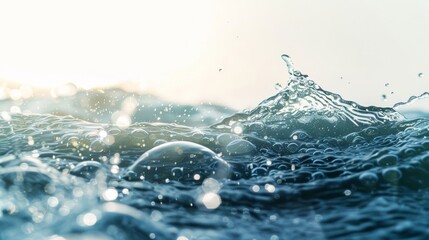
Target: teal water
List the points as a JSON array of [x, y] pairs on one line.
[[303, 164]]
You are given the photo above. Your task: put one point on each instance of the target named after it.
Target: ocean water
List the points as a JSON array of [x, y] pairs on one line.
[[303, 164]]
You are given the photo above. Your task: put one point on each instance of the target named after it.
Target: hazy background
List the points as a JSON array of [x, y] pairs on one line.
[[226, 52]]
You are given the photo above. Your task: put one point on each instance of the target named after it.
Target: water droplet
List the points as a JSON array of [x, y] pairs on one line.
[[6, 116], [30, 141], [65, 90], [237, 129], [121, 119], [386, 84], [102, 133], [77, 192], [270, 188], [420, 75], [115, 159], [347, 192], [197, 177], [156, 215], [15, 109], [129, 105], [278, 86], [109, 140], [273, 217], [384, 97], [53, 202], [114, 169], [110, 194], [56, 237], [87, 219], [211, 200], [211, 185], [255, 188], [274, 237], [15, 94]]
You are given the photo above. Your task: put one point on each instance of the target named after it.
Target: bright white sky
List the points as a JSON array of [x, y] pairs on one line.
[[175, 48]]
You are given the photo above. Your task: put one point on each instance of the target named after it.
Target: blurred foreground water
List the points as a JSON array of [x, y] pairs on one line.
[[303, 164]]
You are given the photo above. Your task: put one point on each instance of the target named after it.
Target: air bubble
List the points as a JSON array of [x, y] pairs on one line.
[[318, 175], [225, 138], [392, 174], [292, 147], [176, 172], [97, 146], [259, 171], [278, 147], [240, 147], [368, 179], [158, 164], [300, 135], [387, 160], [86, 169]]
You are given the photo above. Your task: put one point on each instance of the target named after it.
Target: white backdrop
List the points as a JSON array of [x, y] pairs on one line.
[[225, 52]]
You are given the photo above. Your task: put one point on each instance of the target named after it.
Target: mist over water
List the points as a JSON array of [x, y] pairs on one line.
[[303, 164]]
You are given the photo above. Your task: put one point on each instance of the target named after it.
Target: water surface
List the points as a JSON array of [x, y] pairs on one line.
[[303, 164]]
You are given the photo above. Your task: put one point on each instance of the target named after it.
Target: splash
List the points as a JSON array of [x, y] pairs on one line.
[[412, 99], [303, 105]]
